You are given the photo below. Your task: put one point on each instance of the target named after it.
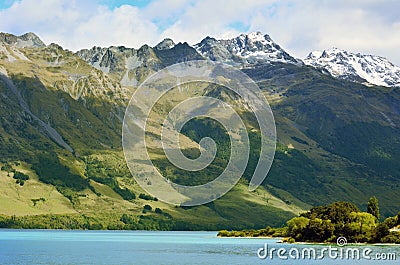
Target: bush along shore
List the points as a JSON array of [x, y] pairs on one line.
[[324, 224]]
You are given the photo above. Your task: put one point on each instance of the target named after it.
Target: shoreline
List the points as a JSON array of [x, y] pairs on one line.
[[249, 237], [309, 243]]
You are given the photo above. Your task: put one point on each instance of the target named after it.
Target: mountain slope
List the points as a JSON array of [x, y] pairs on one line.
[[348, 133], [337, 140], [85, 107], [356, 67]]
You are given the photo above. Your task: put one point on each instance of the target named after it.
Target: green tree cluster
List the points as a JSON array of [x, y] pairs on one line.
[[147, 197], [20, 178], [8, 168], [51, 171], [103, 173], [327, 223], [342, 219]]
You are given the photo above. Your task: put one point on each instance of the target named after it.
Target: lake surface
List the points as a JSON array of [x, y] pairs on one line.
[[157, 247]]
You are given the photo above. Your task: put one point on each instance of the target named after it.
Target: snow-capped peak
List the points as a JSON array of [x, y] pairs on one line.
[[246, 48], [356, 67], [255, 36]]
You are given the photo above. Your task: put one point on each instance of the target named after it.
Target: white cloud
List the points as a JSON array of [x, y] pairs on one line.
[[358, 26], [213, 18], [79, 24], [298, 26]]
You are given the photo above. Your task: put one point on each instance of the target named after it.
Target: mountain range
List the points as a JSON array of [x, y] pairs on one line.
[[337, 117], [244, 50]]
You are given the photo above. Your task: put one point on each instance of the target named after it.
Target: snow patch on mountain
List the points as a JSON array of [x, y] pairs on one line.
[[356, 67], [246, 48]]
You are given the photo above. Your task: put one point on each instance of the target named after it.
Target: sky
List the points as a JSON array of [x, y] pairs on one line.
[[365, 26]]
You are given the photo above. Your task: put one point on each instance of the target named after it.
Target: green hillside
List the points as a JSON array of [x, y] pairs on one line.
[[337, 141]]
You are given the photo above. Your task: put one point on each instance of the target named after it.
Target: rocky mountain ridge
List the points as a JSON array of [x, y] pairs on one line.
[[130, 65], [356, 67], [249, 48], [29, 40]]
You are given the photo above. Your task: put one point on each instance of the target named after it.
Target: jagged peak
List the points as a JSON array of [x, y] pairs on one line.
[[29, 36], [253, 47], [183, 44], [206, 40], [209, 38], [165, 44], [256, 36], [334, 51], [29, 39]]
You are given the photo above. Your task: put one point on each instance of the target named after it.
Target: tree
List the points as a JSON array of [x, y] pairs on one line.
[[381, 231], [318, 230], [373, 207], [361, 227], [296, 227], [337, 212]]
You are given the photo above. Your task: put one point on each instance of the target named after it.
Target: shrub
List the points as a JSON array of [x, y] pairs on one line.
[[8, 168], [147, 208], [393, 237], [223, 233], [20, 178], [147, 197]]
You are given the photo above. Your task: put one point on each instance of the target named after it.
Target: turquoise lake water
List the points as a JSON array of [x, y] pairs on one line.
[[158, 247]]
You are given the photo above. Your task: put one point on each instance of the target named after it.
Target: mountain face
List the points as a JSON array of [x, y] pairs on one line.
[[245, 49], [126, 64], [166, 44], [26, 40], [61, 121], [356, 67], [131, 66]]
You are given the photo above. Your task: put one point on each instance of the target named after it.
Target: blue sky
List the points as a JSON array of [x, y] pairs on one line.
[[118, 3], [5, 4], [366, 26]]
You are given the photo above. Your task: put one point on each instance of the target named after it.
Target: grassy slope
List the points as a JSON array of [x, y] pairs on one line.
[[347, 131], [306, 171], [17, 200], [238, 209]]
